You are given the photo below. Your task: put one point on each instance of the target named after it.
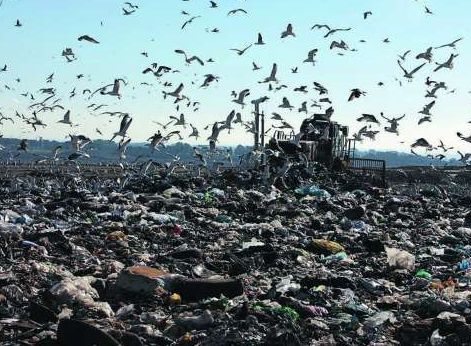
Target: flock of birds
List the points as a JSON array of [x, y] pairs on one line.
[[46, 99]]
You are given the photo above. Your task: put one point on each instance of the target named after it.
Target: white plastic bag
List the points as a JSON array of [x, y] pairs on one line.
[[400, 259]]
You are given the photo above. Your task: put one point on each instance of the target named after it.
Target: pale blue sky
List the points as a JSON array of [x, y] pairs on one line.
[[33, 51]]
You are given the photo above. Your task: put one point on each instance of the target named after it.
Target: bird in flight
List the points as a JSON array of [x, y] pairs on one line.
[[410, 75], [255, 67], [114, 92], [272, 76], [209, 78], [66, 119], [333, 31], [241, 51], [427, 55], [464, 138], [286, 104], [122, 146], [259, 40], [447, 64], [444, 147], [340, 45], [194, 132], [191, 59], [123, 128], [177, 93], [240, 98], [238, 10], [132, 6], [179, 121], [451, 45], [421, 142], [355, 94], [424, 119], [311, 55], [403, 56], [427, 108], [368, 118], [393, 124], [127, 12], [88, 39], [189, 21], [288, 31]]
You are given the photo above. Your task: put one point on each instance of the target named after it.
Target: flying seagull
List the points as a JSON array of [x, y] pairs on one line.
[[333, 31], [127, 12], [368, 118], [238, 10], [124, 126], [443, 147], [255, 66], [189, 21], [424, 119], [209, 78], [340, 45], [355, 94], [286, 104], [179, 121], [394, 124], [122, 146], [114, 92], [242, 95], [403, 56], [88, 38], [177, 93], [421, 142], [66, 119], [191, 59], [410, 75], [272, 76], [464, 138], [451, 45], [447, 64], [288, 31], [131, 5], [311, 55], [241, 51], [194, 132], [427, 108], [427, 55], [260, 40]]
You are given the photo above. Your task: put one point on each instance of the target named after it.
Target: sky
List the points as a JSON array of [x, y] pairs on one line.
[[33, 51]]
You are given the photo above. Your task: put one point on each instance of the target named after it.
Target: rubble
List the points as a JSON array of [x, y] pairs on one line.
[[175, 260]]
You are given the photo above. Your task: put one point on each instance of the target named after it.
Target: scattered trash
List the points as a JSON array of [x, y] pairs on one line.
[[312, 190], [186, 262], [423, 274]]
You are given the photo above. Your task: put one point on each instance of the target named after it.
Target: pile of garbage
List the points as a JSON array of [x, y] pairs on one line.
[[186, 260]]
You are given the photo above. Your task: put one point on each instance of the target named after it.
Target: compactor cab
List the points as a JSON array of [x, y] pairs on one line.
[[322, 141]]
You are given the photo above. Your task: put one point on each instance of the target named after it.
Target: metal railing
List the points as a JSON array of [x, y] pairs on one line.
[[283, 136], [375, 169]]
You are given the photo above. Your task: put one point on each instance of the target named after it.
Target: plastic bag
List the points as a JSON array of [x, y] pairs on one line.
[[312, 190], [400, 259]]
